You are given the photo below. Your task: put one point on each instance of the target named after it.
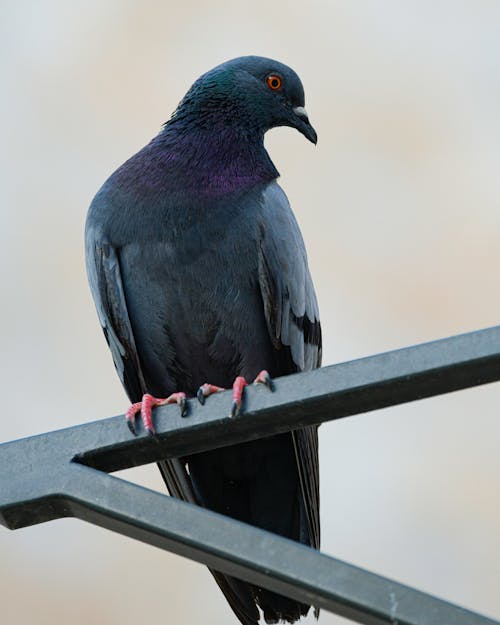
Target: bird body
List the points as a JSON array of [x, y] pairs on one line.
[[199, 273]]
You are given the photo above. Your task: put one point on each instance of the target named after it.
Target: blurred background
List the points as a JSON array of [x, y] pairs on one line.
[[400, 209]]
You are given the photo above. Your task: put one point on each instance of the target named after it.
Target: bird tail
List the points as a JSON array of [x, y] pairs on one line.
[[243, 597], [278, 608]]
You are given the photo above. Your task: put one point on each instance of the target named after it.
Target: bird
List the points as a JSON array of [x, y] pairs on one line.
[[200, 278]]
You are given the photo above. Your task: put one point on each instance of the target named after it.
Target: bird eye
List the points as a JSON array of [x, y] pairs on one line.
[[274, 82]]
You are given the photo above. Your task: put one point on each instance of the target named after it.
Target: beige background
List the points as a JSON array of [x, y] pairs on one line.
[[399, 206]]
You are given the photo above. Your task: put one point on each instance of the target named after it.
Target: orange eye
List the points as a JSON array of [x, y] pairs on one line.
[[274, 82]]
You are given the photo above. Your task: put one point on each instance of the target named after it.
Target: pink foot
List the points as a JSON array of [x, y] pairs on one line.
[[239, 384], [145, 407], [206, 390], [264, 378]]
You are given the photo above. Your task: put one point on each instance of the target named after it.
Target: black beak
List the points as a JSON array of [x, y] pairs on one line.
[[300, 121]]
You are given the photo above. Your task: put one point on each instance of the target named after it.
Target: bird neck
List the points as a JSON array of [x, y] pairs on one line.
[[215, 158]]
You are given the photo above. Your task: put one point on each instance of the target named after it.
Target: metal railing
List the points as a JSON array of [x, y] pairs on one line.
[[65, 473]]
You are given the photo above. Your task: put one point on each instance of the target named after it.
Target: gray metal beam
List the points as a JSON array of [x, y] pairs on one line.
[[44, 477], [248, 553], [302, 399]]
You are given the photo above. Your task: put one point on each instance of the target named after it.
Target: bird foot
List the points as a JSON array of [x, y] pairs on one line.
[[145, 407], [239, 384], [266, 379], [206, 390]]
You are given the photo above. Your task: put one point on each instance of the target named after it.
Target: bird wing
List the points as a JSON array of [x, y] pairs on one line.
[[292, 317], [105, 279]]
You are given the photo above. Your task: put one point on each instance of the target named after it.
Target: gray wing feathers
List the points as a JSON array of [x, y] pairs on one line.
[[292, 316], [103, 268], [290, 303]]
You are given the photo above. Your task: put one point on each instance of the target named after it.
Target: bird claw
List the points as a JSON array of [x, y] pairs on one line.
[[131, 426], [238, 386], [200, 397], [235, 408], [130, 416], [206, 390], [145, 407], [266, 379], [183, 405]]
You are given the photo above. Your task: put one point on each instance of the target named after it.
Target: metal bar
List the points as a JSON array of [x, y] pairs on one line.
[[302, 399], [44, 477], [314, 397], [251, 554]]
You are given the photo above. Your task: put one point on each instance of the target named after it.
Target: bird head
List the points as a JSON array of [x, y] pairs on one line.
[[251, 93]]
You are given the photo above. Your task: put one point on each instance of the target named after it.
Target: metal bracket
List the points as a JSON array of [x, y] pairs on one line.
[[64, 473]]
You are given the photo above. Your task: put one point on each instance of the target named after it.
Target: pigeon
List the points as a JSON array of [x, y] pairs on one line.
[[200, 278]]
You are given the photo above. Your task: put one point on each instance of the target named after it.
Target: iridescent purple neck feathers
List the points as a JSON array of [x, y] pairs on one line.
[[199, 162]]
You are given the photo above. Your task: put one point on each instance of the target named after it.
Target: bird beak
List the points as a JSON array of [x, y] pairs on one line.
[[301, 123]]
